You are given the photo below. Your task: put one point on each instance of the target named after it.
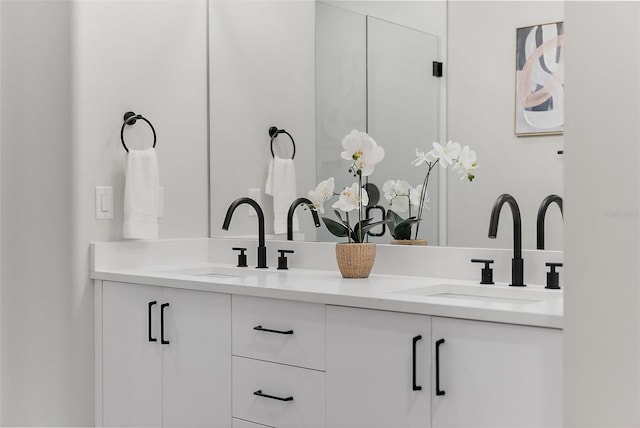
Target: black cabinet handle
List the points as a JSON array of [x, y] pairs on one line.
[[273, 397], [438, 390], [162, 308], [415, 340], [268, 330], [151, 339]]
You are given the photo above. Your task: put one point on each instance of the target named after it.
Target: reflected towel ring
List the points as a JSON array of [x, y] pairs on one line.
[[130, 118], [273, 133]]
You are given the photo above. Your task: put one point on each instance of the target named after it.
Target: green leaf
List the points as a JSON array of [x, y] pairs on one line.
[[335, 228], [398, 227], [402, 231], [366, 226], [370, 226], [393, 218], [356, 229], [392, 215], [343, 221]]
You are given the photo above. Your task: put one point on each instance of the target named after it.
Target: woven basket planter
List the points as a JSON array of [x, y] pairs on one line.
[[355, 260], [409, 241]]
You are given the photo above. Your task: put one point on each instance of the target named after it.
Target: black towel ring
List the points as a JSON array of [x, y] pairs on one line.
[[273, 133], [130, 118]]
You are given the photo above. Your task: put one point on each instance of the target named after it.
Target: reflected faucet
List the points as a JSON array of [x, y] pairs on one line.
[[542, 211], [292, 209], [262, 249], [517, 264]]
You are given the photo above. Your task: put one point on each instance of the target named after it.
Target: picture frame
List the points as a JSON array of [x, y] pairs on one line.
[[539, 92]]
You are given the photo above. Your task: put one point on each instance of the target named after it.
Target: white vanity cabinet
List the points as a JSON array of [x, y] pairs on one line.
[[496, 375], [378, 369], [176, 357], [166, 357]]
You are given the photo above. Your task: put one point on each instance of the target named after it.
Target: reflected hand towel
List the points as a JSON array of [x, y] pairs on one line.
[[281, 184]]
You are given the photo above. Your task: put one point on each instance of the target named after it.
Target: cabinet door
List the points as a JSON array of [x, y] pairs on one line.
[[132, 365], [371, 380], [497, 375], [197, 359]]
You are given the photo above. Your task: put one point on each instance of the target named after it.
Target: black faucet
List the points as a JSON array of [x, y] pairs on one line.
[[292, 209], [517, 264], [262, 249], [542, 211]]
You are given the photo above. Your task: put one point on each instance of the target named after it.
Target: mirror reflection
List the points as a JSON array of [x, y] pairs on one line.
[[320, 69]]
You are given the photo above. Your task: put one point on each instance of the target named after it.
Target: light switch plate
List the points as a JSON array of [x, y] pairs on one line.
[[104, 202]]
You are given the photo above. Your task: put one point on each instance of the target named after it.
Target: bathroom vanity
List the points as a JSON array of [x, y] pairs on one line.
[[184, 341]]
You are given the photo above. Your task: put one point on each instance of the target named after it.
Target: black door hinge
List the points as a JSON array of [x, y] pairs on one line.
[[437, 69]]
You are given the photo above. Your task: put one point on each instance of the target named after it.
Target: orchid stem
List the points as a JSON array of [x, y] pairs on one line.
[[423, 193], [360, 208]]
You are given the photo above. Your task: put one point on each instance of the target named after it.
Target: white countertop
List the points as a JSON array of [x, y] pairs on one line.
[[385, 292]]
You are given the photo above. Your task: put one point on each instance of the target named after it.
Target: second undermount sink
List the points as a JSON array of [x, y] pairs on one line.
[[490, 293], [214, 272]]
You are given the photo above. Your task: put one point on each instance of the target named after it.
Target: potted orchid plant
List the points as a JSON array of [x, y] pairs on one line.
[[363, 153], [402, 197]]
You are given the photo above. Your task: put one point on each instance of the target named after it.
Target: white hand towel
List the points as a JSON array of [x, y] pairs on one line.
[[141, 193], [281, 184]]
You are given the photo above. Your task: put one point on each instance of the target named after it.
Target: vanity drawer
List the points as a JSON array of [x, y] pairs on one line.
[[303, 389], [281, 331]]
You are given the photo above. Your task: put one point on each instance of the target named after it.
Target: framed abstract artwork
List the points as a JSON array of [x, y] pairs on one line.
[[539, 91]]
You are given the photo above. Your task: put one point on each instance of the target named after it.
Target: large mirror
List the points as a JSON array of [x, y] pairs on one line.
[[265, 71]]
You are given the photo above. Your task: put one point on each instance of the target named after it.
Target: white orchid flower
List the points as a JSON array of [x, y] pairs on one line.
[[447, 154], [363, 151], [400, 195], [393, 188], [466, 164], [322, 192], [423, 157], [414, 195], [350, 198]]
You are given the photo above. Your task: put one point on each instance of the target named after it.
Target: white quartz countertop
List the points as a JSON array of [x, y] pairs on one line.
[[385, 292]]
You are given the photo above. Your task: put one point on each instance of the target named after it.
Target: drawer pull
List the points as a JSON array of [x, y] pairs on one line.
[[273, 397], [438, 390], [162, 339], [151, 338], [268, 330], [416, 387]]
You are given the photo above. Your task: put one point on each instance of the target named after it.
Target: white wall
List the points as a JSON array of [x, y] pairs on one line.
[[481, 97], [46, 351], [602, 296], [70, 69], [262, 75]]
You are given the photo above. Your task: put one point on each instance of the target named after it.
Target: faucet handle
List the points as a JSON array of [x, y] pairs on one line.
[[242, 257], [487, 271], [553, 277], [282, 259]]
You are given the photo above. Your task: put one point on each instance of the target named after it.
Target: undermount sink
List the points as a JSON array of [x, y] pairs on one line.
[[492, 293], [214, 272]]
